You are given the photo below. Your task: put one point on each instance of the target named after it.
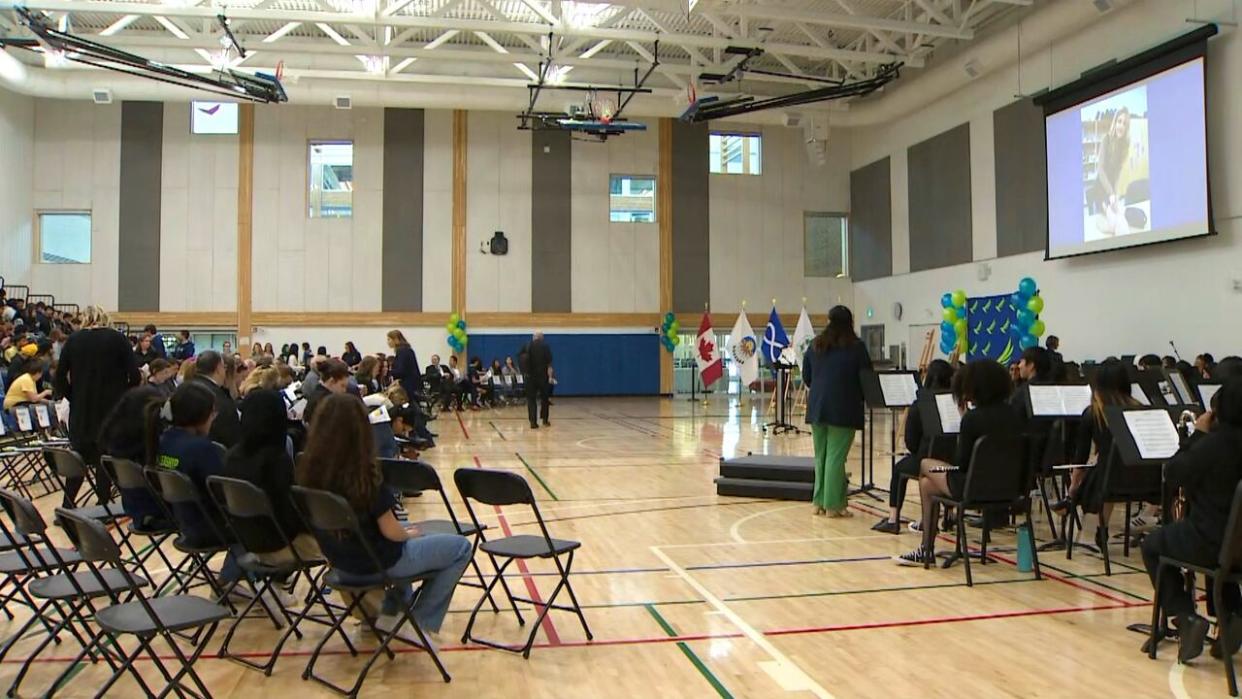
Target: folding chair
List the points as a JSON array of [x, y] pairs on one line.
[[1128, 484], [70, 464], [244, 506], [182, 498], [145, 619], [499, 488], [65, 593], [1000, 477], [330, 518], [1227, 571], [417, 476], [131, 480]]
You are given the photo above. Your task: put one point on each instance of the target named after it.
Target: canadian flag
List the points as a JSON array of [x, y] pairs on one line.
[[707, 356]]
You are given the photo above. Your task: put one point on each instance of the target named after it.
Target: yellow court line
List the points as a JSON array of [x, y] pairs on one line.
[[735, 530], [1177, 682], [783, 670]]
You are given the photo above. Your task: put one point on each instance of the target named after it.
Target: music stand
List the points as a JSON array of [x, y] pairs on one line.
[[1206, 390], [889, 391], [782, 425]]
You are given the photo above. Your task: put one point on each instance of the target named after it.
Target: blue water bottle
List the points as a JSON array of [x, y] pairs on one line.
[[1025, 544]]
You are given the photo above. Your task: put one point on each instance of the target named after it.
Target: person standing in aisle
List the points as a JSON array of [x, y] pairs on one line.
[[834, 408], [536, 360]]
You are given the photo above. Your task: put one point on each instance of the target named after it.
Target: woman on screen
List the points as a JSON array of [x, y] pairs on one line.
[[1114, 149]]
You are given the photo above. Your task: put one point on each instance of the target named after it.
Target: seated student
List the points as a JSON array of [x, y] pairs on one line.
[[440, 379], [306, 354], [1204, 364], [938, 377], [25, 387], [981, 389], [463, 386], [123, 436], [1227, 368], [1207, 471], [364, 375], [160, 375], [1168, 362], [351, 356], [211, 371], [261, 379], [311, 379], [481, 380], [262, 458], [340, 458], [146, 351], [185, 346], [183, 445], [1034, 366], [1149, 362], [333, 378], [499, 387]]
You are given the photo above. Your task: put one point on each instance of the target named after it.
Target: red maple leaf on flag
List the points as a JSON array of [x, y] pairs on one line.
[[706, 348]]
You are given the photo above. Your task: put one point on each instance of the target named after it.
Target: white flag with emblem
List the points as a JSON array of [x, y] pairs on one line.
[[744, 349], [804, 334]]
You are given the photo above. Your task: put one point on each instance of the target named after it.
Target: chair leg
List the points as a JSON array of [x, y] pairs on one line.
[[961, 544], [983, 542], [500, 572], [1102, 541], [574, 598], [1222, 632], [1125, 545], [1069, 534]]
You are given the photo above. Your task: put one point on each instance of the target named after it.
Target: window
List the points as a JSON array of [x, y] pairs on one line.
[[65, 237], [732, 153], [631, 199], [826, 245], [331, 179]]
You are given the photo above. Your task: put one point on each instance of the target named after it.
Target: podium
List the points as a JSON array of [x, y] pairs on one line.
[[782, 424], [883, 392]]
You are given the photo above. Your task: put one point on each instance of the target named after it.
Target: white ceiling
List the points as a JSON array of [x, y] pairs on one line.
[[480, 45]]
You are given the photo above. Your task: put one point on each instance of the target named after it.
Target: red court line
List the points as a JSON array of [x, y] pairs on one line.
[[548, 627], [463, 425]]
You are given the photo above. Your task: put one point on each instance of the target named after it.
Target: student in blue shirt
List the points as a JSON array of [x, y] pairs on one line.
[[185, 347]]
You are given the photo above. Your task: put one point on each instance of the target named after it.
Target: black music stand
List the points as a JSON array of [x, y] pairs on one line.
[[782, 425], [876, 398]]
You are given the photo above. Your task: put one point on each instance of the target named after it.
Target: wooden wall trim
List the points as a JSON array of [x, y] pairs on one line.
[[327, 319], [245, 217], [460, 141], [173, 321], [664, 214], [349, 319]]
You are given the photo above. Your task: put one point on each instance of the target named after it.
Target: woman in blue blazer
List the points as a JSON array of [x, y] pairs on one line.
[[834, 408]]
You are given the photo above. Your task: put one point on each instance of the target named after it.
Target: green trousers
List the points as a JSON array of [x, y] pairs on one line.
[[832, 445]]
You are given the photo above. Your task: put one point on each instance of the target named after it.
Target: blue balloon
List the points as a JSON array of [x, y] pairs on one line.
[[946, 327], [1025, 318], [461, 324], [946, 300], [946, 347], [1027, 287], [1028, 341], [950, 335], [1018, 300]]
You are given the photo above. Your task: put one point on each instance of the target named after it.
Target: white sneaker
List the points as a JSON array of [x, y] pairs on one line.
[[1141, 523]]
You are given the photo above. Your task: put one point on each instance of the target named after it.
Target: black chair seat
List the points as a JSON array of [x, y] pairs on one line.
[[528, 546], [174, 613], [444, 526], [61, 586], [134, 528], [251, 564], [185, 546], [8, 543], [104, 513], [15, 564]]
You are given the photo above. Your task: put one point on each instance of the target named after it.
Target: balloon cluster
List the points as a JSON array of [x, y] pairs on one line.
[[1027, 328], [668, 332], [953, 327], [457, 337]]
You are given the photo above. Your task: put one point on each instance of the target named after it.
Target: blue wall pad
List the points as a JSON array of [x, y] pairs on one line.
[[586, 365]]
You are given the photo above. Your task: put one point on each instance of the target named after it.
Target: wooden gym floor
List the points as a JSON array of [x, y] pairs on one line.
[[693, 595]]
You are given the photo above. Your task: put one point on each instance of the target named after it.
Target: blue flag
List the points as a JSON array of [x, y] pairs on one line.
[[774, 338]]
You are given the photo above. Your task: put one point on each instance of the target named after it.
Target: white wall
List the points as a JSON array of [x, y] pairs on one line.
[[16, 154], [198, 217], [616, 266], [757, 231], [498, 196], [1113, 303], [77, 165], [305, 264]]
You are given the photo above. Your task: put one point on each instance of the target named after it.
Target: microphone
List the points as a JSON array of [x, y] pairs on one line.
[[1175, 352]]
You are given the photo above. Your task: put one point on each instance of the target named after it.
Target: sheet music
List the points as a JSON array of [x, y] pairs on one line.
[[1153, 432], [1166, 392], [379, 416], [43, 416], [950, 418], [1183, 391], [1051, 401], [1206, 391], [1077, 398], [23, 419], [1138, 394], [297, 409], [291, 391], [899, 390]]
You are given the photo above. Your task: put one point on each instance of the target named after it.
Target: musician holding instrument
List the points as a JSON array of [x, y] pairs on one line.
[[1207, 470]]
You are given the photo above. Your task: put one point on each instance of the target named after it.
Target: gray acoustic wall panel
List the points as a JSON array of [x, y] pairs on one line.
[[690, 217], [402, 258], [871, 222], [142, 152], [551, 275], [1021, 178], [939, 185]]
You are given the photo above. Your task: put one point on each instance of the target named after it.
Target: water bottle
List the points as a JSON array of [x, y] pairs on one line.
[[1025, 545]]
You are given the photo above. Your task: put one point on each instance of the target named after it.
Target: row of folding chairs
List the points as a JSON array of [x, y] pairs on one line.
[[103, 591]]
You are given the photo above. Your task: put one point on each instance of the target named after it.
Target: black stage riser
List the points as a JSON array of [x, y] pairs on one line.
[[772, 472], [771, 490]]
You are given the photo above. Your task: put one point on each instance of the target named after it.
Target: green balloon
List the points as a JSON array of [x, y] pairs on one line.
[[459, 334], [960, 327], [1038, 327], [963, 344], [676, 340], [671, 333], [454, 318], [1036, 306], [450, 327], [959, 298], [950, 314]]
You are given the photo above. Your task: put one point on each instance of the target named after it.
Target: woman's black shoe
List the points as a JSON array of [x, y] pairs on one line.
[[1060, 506], [886, 527]]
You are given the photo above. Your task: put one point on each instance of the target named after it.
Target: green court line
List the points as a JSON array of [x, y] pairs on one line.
[[539, 478], [690, 655]]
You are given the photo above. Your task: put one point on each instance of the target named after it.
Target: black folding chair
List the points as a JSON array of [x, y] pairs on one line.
[[1228, 571], [131, 480], [1000, 478], [66, 593], [406, 476], [246, 506], [330, 518], [1122, 484], [500, 488], [145, 619], [182, 498], [70, 464]]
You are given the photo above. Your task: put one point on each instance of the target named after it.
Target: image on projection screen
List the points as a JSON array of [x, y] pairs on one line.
[[1129, 167]]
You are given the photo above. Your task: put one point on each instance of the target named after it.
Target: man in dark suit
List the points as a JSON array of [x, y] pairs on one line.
[[97, 366], [536, 361], [211, 371], [1057, 372]]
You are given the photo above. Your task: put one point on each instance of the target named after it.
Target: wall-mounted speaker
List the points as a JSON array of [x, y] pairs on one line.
[[499, 245], [101, 95], [343, 102]]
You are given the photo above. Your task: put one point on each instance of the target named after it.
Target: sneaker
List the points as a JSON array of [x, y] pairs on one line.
[[916, 526], [284, 595], [1141, 524], [886, 527], [917, 557]]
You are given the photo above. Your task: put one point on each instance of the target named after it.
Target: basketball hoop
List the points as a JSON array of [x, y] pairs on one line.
[[604, 108]]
